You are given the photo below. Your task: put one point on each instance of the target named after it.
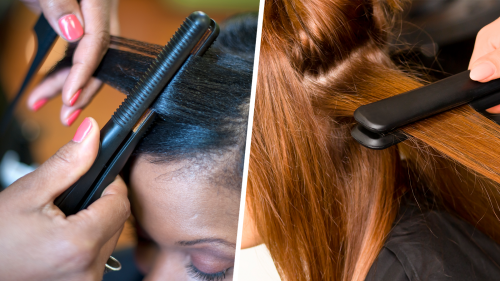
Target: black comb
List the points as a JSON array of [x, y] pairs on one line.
[[46, 37]]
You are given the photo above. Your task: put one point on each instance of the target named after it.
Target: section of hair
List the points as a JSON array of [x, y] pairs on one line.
[[204, 109], [324, 204]]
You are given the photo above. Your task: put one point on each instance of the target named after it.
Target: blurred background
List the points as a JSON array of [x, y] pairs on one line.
[[35, 136], [437, 37]]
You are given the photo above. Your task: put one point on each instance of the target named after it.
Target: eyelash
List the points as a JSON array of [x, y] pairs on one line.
[[202, 276]]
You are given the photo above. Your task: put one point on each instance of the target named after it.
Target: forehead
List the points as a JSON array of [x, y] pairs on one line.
[[182, 201]]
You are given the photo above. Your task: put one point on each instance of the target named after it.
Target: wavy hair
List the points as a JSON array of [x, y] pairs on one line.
[[323, 203]]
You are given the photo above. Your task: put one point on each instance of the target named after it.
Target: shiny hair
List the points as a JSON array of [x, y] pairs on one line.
[[323, 204], [203, 113]]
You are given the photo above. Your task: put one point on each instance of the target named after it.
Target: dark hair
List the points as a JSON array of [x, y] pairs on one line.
[[204, 110]]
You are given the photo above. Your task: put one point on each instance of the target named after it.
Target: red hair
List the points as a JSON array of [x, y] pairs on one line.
[[324, 204]]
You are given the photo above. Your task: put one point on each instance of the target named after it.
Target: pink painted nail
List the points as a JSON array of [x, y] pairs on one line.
[[482, 71], [70, 27], [73, 117], [75, 97], [82, 130], [39, 104]]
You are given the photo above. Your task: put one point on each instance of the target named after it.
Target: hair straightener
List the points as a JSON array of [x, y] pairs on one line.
[[132, 119], [379, 122]]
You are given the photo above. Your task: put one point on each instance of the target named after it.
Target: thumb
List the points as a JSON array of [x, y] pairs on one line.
[[66, 166], [65, 17], [106, 216], [486, 68]]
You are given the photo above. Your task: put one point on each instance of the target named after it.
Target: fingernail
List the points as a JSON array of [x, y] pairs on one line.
[[482, 71], [73, 117], [70, 27], [39, 104], [75, 97], [82, 130]]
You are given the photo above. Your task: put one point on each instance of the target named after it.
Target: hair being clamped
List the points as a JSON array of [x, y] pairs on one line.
[[132, 119], [379, 122]]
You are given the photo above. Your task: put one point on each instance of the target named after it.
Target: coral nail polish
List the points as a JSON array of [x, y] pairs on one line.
[[75, 97], [72, 117], [39, 104], [70, 27], [82, 130]]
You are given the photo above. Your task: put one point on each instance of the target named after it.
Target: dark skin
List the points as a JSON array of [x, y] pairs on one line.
[[184, 218], [38, 241], [98, 19]]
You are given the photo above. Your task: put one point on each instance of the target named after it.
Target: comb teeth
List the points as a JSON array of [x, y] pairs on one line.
[[162, 69]]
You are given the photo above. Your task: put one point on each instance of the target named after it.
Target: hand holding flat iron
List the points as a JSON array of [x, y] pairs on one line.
[[485, 61], [39, 241], [89, 23]]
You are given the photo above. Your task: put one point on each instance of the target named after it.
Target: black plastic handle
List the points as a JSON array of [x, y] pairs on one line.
[[394, 112], [161, 71], [377, 141]]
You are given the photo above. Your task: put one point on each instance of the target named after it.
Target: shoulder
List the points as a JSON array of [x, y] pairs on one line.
[[387, 267], [434, 245]]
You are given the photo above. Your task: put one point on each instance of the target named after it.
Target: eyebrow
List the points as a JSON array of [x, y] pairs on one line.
[[206, 240]]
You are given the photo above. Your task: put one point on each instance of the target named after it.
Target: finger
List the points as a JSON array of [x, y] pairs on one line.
[[114, 23], [69, 114], [106, 251], [47, 89], [487, 67], [65, 167], [487, 41], [108, 247], [65, 18], [103, 218], [494, 110], [91, 47], [88, 93]]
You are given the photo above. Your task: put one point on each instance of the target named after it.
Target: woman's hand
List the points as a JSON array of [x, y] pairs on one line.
[[485, 61], [90, 23], [38, 241]]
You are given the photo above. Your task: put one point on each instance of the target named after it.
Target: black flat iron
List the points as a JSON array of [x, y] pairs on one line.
[[131, 120], [379, 123]]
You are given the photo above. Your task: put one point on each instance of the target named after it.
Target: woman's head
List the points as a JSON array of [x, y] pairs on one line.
[[187, 219], [322, 203], [185, 175], [186, 178]]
